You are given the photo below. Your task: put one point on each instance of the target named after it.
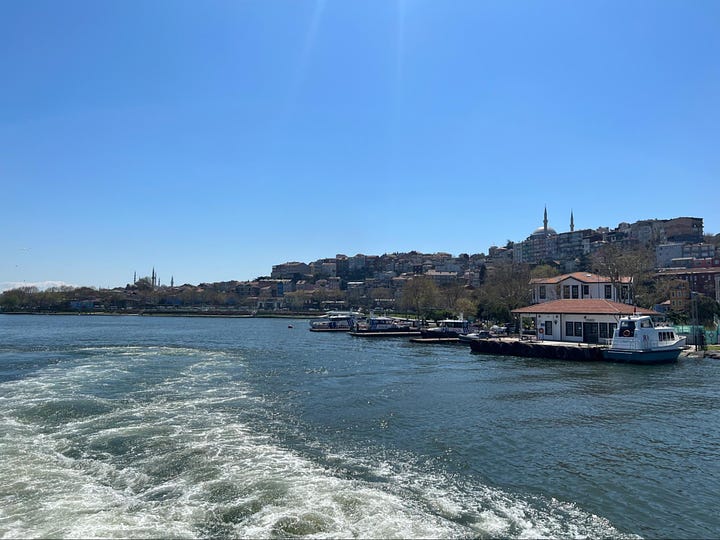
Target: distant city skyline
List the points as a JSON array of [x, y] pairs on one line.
[[685, 228], [213, 141]]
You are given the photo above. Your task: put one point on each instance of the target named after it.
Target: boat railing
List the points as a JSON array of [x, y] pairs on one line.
[[638, 345]]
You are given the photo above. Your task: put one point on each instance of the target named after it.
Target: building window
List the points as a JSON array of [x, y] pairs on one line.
[[575, 291], [543, 293], [566, 291], [548, 328], [573, 329], [608, 291], [586, 291], [604, 330]]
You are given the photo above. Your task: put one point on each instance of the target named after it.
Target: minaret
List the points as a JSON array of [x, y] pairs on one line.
[[545, 222], [172, 281], [154, 276], [572, 222]]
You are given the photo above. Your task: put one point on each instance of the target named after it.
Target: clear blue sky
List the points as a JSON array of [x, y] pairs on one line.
[[213, 139]]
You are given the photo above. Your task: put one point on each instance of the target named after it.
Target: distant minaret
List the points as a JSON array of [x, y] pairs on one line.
[[154, 276], [134, 278], [572, 222], [545, 222], [172, 281]]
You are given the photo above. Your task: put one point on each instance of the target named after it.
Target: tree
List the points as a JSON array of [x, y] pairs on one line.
[[451, 295], [707, 309], [506, 288], [544, 271], [614, 262], [419, 294], [296, 300]]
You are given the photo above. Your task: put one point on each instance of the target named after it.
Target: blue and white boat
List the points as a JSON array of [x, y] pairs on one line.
[[638, 340]]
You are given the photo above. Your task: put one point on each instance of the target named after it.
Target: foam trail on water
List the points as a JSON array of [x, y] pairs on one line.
[[171, 442]]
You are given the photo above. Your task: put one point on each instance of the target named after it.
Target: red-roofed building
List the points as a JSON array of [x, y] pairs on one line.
[[577, 320], [580, 286]]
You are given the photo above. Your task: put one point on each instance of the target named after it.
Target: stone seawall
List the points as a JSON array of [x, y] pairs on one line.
[[534, 349]]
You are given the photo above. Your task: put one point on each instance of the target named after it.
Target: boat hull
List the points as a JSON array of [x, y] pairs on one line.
[[666, 356], [336, 329]]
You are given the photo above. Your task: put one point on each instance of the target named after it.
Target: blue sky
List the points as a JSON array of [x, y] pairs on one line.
[[213, 139]]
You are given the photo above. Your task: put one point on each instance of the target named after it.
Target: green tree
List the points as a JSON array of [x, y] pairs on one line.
[[507, 287], [451, 295], [615, 262], [707, 309], [419, 295], [544, 271]]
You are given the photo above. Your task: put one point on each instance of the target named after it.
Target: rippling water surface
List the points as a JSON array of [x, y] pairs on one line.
[[190, 427]]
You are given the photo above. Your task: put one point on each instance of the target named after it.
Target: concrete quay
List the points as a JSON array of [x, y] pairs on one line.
[[537, 349]]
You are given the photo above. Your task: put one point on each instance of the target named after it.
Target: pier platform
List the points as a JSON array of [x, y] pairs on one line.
[[537, 349], [435, 340], [384, 334]]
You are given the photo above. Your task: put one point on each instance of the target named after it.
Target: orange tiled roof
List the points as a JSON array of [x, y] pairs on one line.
[[591, 306], [583, 277]]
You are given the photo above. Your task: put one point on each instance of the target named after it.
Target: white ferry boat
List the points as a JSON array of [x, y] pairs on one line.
[[386, 326], [637, 340], [448, 328], [335, 321]]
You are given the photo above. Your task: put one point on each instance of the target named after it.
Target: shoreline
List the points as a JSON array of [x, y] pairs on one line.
[[141, 313]]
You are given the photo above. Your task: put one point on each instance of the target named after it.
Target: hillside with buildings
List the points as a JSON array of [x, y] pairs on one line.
[[666, 262]]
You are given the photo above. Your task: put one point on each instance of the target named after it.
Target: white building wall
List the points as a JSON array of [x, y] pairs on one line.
[[584, 290], [559, 327]]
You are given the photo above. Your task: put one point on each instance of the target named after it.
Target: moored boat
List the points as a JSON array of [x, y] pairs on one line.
[[335, 321], [472, 336], [447, 328], [386, 326], [637, 340]]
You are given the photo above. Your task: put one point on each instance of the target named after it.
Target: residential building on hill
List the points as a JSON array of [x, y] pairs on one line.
[[545, 245], [581, 285], [700, 280], [289, 270]]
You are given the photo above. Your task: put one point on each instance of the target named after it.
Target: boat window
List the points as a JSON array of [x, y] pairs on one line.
[[578, 329], [627, 328], [569, 328]]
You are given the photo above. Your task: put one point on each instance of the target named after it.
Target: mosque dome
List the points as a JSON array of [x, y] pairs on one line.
[[540, 232]]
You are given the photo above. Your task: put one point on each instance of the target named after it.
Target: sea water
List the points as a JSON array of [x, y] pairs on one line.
[[120, 426]]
